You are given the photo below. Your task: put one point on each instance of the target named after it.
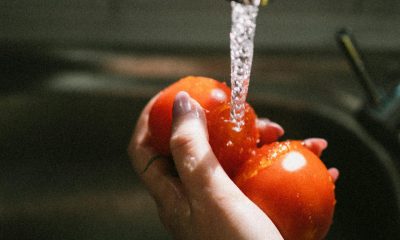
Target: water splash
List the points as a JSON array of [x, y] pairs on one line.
[[242, 47]]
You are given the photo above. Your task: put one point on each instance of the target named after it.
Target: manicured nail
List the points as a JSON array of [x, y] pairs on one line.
[[187, 111], [182, 104]]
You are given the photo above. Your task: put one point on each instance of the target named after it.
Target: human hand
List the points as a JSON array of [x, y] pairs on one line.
[[203, 202]]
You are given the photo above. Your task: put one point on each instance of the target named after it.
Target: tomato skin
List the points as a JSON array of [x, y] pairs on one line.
[[232, 147], [208, 92], [292, 186]]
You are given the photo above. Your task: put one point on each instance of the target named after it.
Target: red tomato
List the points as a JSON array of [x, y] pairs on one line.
[[232, 147], [293, 187], [208, 92], [286, 180]]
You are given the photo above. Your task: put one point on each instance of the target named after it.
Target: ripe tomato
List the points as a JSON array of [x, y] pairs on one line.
[[286, 180], [292, 186], [208, 92], [232, 147]]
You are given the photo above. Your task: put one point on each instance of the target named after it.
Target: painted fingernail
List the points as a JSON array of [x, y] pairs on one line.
[[182, 104]]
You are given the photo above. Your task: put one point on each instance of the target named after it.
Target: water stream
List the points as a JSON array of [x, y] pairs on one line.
[[241, 45]]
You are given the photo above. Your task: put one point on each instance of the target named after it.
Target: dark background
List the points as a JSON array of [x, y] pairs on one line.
[[205, 23]]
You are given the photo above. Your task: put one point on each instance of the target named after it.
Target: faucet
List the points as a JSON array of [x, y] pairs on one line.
[[252, 2], [381, 113]]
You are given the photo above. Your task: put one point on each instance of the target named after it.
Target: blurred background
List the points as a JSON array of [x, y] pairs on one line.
[[74, 75], [179, 23]]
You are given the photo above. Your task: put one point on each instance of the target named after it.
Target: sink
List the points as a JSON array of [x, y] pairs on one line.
[[367, 192], [65, 173]]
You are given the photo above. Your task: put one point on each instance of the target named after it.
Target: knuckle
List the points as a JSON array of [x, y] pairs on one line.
[[181, 142]]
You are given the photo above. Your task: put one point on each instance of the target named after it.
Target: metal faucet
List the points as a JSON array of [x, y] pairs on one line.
[[252, 2], [381, 115]]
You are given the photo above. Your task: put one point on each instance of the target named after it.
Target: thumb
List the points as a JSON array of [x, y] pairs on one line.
[[195, 161]]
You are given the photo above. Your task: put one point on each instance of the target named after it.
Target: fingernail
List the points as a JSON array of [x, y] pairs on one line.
[[271, 127], [316, 145], [186, 108], [182, 104], [320, 142], [334, 172], [278, 129]]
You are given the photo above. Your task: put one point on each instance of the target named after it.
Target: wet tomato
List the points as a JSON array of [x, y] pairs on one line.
[[285, 179], [232, 147], [292, 186], [209, 93]]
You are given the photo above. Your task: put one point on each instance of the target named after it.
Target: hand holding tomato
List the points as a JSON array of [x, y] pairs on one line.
[[203, 203], [208, 93], [247, 157], [232, 148]]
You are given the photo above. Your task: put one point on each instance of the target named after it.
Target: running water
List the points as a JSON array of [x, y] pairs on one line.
[[242, 45]]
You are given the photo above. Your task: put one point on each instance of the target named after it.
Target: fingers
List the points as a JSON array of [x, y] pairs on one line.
[[168, 193], [195, 162], [154, 171], [334, 172], [316, 145], [139, 140], [269, 131]]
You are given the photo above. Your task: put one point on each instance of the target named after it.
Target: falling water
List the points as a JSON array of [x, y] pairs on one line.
[[242, 45]]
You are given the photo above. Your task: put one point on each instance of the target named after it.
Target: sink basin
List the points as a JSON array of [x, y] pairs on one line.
[[65, 173], [367, 192]]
